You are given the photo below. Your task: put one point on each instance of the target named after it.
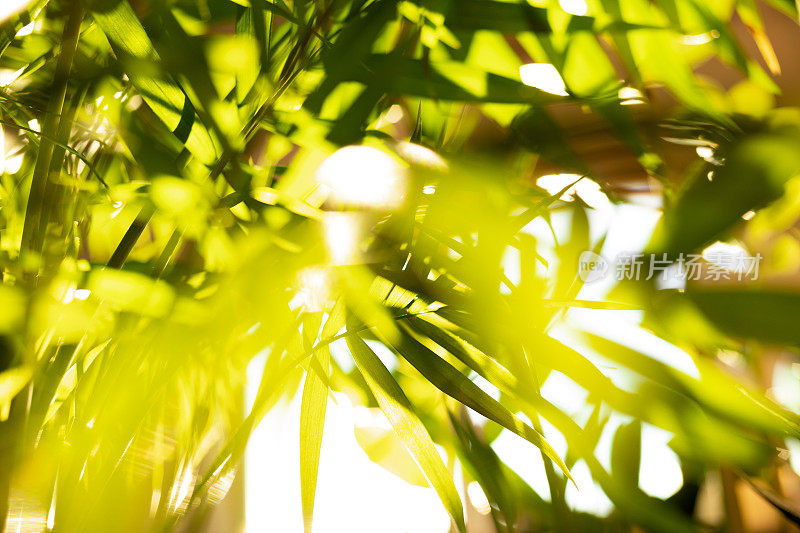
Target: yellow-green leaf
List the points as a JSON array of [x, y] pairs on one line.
[[408, 426]]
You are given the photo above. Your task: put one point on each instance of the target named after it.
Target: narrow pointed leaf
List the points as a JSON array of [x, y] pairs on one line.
[[408, 426], [449, 380], [626, 454], [165, 97], [312, 420]]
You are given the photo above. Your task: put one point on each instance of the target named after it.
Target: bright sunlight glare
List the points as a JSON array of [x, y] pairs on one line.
[[730, 256], [588, 190], [574, 7], [630, 96], [478, 498], [617, 326], [587, 496], [9, 8], [660, 474], [394, 114], [628, 228], [421, 156], [700, 38], [26, 30], [313, 289], [353, 493], [342, 234], [544, 77], [8, 76], [363, 176]]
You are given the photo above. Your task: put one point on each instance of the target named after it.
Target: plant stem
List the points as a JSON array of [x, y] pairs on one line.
[[33, 235], [733, 513], [167, 253], [56, 209], [128, 241], [554, 482], [32, 232]]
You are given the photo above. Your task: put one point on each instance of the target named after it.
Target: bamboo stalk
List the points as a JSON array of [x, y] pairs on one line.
[[733, 513], [128, 241], [32, 236], [32, 232], [57, 209]]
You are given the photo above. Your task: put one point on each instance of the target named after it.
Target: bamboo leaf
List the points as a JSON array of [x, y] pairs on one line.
[[716, 391], [446, 378], [476, 360], [447, 80], [485, 466], [164, 96], [12, 381], [400, 413], [753, 174], [504, 17], [312, 420], [626, 454], [766, 315], [518, 17]]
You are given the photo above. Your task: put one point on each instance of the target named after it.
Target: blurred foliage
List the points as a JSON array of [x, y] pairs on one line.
[[172, 203]]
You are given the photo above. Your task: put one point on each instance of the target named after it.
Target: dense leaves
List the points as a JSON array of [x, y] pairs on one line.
[[175, 204]]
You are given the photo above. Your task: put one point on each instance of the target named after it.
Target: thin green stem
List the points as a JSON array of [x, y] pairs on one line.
[[128, 241], [167, 253], [32, 232]]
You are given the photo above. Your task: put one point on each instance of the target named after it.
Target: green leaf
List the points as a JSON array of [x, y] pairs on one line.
[[766, 315], [713, 390], [164, 96], [504, 17], [312, 417], [252, 21], [536, 130], [446, 378], [626, 453], [476, 360], [659, 60], [400, 413], [344, 58], [518, 17], [486, 467], [445, 80], [12, 309], [12, 382], [384, 448], [787, 6], [754, 172], [131, 292]]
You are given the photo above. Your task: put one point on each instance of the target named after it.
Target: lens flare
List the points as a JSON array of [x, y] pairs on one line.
[[363, 176], [544, 77]]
